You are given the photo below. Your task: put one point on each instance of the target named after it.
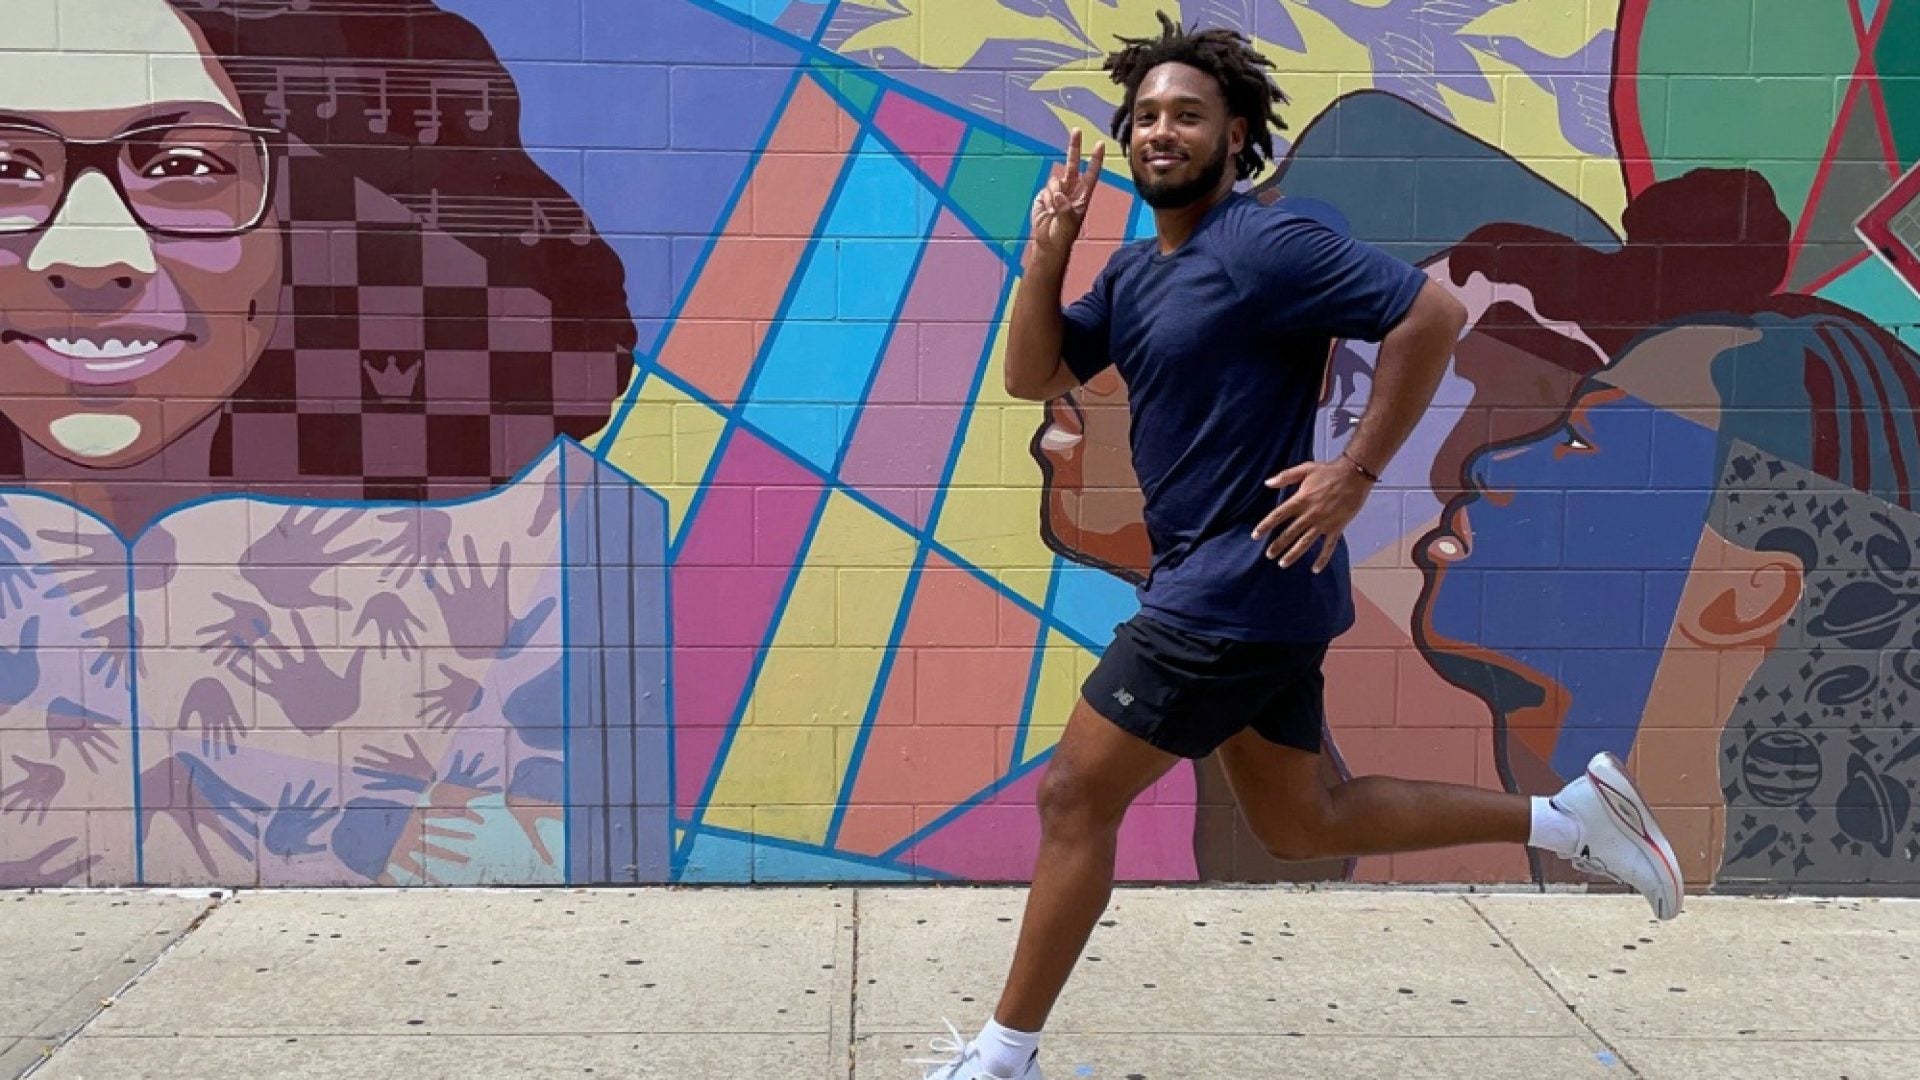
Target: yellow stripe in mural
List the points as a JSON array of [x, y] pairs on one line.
[[805, 710], [1064, 666], [667, 443]]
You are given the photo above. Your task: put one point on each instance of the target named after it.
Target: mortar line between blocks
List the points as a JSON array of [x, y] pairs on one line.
[[1552, 989], [219, 901]]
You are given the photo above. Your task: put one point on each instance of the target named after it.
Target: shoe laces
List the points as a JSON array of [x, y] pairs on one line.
[[1587, 863], [953, 1045]]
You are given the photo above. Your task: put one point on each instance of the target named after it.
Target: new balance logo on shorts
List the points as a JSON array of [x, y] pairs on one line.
[[1122, 696]]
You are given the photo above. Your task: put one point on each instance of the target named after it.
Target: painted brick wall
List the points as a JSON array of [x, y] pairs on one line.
[[563, 440]]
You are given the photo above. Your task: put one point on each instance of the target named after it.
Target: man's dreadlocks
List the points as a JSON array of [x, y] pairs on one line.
[[1229, 57]]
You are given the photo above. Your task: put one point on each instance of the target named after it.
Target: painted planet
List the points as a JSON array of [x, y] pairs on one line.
[[1864, 615], [1781, 768], [1871, 810]]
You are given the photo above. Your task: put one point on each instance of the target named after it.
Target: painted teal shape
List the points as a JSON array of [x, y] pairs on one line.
[[766, 11], [1091, 602], [881, 198], [859, 93], [499, 853], [726, 859], [994, 181], [718, 860], [1874, 290], [812, 431]]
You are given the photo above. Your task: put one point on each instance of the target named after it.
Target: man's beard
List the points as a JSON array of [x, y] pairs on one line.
[[1162, 195]]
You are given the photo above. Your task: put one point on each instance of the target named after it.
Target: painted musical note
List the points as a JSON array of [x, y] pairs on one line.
[[380, 114], [427, 121], [276, 100]]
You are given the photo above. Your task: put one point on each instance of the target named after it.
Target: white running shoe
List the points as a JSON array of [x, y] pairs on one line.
[[963, 1061], [1619, 838]]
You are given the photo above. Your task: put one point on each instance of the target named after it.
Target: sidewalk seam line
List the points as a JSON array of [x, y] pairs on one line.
[[219, 901], [853, 993], [1552, 989]]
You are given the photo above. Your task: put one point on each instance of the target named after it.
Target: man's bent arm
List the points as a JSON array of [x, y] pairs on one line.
[[1413, 357], [1035, 369]]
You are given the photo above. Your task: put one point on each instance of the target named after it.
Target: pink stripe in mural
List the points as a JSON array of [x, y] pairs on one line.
[[930, 138], [906, 431], [742, 546]]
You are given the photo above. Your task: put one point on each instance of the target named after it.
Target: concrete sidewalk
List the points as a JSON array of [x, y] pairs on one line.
[[848, 983]]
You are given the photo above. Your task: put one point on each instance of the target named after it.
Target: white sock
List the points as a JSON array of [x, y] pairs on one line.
[[1553, 828], [1004, 1051]]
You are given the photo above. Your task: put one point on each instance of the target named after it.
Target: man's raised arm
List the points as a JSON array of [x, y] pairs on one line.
[[1035, 368]]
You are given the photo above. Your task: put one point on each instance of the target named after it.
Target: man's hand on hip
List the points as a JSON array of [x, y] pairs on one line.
[[1329, 495]]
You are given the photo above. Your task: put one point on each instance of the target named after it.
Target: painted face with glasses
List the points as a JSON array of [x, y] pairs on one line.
[[140, 258]]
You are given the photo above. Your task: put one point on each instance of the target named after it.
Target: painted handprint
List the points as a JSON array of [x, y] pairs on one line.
[[313, 695], [20, 668], [536, 794], [247, 625], [34, 791], [388, 771], [37, 871], [484, 627], [285, 562], [548, 508], [14, 576], [426, 838], [83, 729], [97, 577], [291, 830], [451, 703], [529, 816], [468, 779], [425, 538], [114, 641], [200, 802], [395, 622], [210, 705]]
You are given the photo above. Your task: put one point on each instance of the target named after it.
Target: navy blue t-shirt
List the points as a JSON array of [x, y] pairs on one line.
[[1223, 345]]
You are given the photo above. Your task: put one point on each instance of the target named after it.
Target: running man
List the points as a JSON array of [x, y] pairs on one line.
[[1221, 327]]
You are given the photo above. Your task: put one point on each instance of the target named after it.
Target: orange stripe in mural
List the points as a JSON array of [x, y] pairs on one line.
[[714, 340]]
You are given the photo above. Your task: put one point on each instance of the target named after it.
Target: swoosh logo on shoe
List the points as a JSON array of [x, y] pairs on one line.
[[1629, 815]]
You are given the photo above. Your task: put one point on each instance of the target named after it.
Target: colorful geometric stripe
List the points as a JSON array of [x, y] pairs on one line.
[[729, 576], [715, 339]]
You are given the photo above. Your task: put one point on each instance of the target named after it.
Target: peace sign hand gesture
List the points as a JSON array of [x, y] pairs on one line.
[[1062, 206]]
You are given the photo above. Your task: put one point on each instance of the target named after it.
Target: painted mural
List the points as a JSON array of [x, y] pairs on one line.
[[562, 441]]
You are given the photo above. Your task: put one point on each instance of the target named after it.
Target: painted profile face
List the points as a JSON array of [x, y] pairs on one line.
[[140, 258], [1094, 510], [1566, 658]]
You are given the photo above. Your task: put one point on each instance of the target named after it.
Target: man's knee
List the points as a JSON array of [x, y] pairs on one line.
[[1073, 802]]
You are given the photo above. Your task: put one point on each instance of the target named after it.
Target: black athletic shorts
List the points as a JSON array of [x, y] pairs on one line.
[[1188, 693]]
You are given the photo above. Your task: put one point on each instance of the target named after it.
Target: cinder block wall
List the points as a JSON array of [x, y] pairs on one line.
[[541, 441]]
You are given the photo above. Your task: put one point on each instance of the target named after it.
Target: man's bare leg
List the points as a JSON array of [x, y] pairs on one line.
[[1297, 815], [1096, 773], [1600, 820]]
